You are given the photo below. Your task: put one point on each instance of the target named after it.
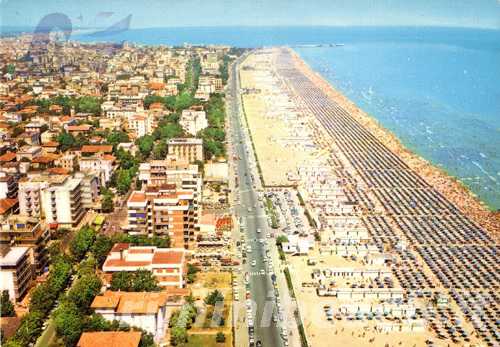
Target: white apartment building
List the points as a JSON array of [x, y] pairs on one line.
[[62, 202], [16, 271], [170, 171], [141, 124], [29, 195], [188, 149], [100, 164], [193, 120]]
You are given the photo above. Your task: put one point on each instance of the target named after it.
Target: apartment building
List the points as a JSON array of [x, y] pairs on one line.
[[141, 125], [67, 161], [90, 189], [62, 202], [170, 171], [16, 271], [193, 120], [164, 210], [29, 195], [100, 164], [8, 186], [22, 231], [168, 265], [188, 149]]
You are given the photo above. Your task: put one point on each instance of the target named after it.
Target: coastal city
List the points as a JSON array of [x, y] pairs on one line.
[[208, 195]]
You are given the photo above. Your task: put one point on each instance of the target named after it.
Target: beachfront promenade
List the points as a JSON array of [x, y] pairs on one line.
[[460, 254]]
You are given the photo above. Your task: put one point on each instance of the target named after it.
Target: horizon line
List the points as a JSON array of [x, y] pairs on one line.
[[284, 26]]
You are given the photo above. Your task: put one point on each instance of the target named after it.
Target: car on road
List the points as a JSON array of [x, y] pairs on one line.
[[254, 263], [249, 209], [259, 231]]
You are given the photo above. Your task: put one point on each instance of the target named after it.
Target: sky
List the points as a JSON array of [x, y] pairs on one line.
[[175, 13]]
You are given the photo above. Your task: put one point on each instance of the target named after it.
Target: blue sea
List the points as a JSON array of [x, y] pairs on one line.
[[437, 89]]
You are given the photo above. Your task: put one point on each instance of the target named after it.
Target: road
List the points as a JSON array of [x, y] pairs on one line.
[[254, 217]]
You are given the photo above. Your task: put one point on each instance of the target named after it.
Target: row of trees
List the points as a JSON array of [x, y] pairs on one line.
[[214, 136], [84, 104]]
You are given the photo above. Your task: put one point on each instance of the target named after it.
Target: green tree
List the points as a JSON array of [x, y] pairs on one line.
[[69, 322], [6, 306], [169, 102], [84, 290], [10, 69], [184, 100], [82, 242], [144, 281], [123, 181], [107, 204], [101, 248], [178, 336], [147, 340], [66, 141], [281, 239], [126, 159], [117, 137], [145, 144], [214, 297], [151, 99], [167, 131], [121, 280], [87, 266], [160, 150], [96, 322], [220, 337], [89, 104], [191, 273], [134, 281], [30, 328]]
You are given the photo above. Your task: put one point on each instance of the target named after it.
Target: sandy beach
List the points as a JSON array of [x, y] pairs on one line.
[[272, 131]]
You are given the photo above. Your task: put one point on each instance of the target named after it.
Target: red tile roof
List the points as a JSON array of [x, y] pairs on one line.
[[120, 247], [9, 156], [58, 171], [110, 339], [7, 204], [83, 127], [97, 148], [168, 257]]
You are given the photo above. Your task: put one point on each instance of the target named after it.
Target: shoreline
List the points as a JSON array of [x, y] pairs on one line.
[[449, 186]]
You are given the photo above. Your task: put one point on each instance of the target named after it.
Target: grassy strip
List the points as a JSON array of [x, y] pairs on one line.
[[289, 282], [302, 333], [311, 221], [272, 212], [281, 253]]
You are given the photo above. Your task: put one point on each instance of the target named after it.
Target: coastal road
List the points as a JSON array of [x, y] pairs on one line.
[[254, 217]]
